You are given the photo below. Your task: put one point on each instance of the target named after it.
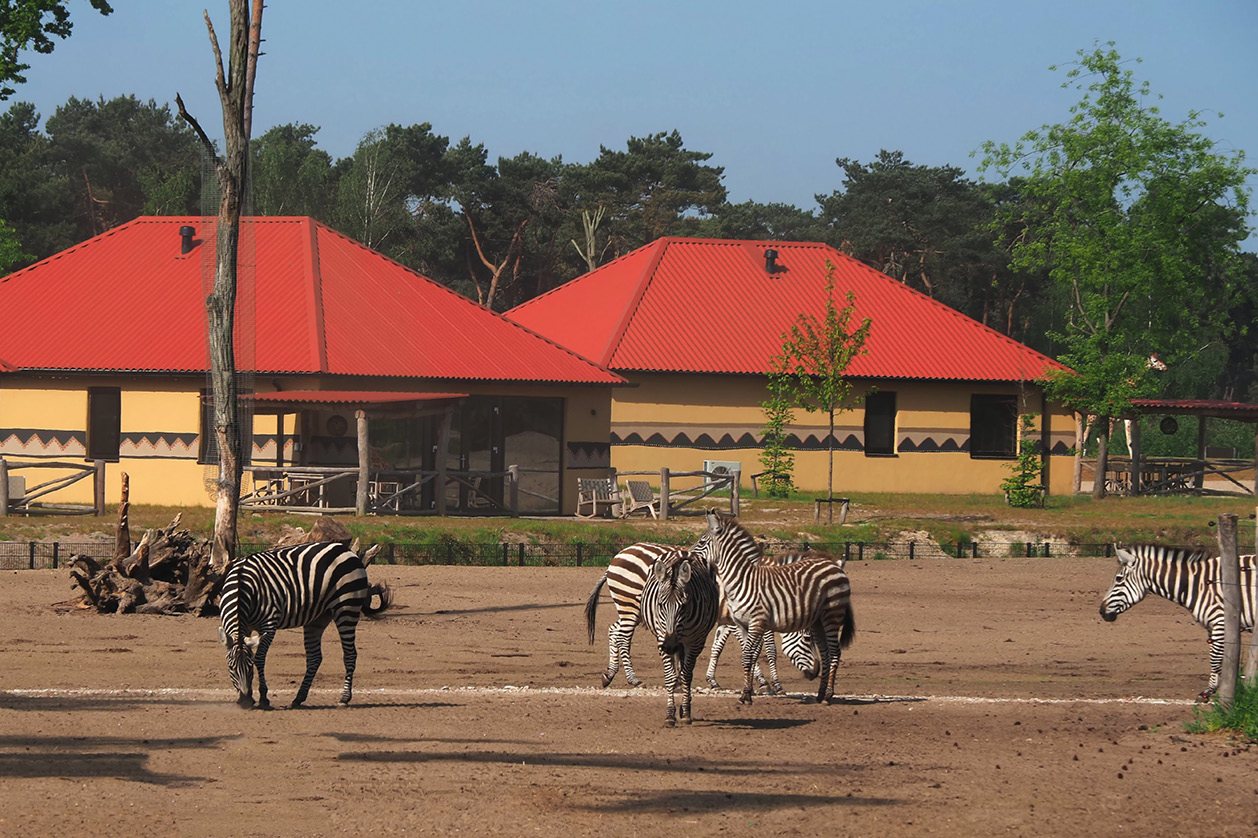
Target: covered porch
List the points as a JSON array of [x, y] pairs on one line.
[[1210, 472], [319, 467]]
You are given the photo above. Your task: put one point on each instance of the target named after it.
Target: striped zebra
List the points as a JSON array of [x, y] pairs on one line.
[[307, 585], [680, 601], [1186, 577], [813, 593], [625, 577]]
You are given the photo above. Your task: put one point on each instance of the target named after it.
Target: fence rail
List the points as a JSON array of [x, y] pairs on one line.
[[39, 555]]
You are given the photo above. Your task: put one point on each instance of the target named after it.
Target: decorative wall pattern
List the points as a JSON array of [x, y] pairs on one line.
[[36, 442], [589, 455]]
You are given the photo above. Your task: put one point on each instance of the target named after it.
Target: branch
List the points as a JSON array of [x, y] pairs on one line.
[[219, 81], [196, 126], [251, 64]]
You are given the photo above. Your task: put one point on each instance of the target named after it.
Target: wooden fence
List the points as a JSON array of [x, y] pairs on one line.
[[18, 498]]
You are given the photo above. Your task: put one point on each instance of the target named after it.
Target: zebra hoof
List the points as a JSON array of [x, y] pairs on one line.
[[745, 698], [637, 684], [685, 720], [607, 679], [245, 701], [713, 684], [263, 705], [670, 722]]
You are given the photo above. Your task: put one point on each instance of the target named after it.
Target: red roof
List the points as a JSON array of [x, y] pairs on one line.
[[351, 397], [1216, 408], [707, 305], [129, 300]]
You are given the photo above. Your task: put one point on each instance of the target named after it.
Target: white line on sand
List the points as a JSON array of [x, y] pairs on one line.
[[652, 692]]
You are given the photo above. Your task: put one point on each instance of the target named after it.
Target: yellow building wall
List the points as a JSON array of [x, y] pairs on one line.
[[160, 422], [652, 421]]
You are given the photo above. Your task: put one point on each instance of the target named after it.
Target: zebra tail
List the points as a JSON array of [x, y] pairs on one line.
[[849, 628], [382, 590], [591, 606]]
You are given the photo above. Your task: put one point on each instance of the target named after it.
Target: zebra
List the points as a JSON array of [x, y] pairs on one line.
[[797, 645], [680, 602], [811, 593], [625, 577], [307, 585], [1188, 578]]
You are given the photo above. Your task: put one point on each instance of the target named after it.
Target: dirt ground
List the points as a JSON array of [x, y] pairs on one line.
[[981, 697]]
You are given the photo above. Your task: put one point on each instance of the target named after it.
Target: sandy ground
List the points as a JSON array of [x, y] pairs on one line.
[[981, 697]]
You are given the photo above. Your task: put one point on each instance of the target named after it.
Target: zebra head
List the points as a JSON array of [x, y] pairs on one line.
[[240, 652], [671, 592], [1130, 586], [725, 540]]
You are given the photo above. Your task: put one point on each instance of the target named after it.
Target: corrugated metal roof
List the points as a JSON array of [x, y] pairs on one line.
[[1215, 408], [128, 300], [349, 397], [706, 305]]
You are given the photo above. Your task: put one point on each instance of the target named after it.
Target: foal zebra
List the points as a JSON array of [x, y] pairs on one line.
[[811, 594], [1186, 577], [307, 585], [680, 601], [626, 575]]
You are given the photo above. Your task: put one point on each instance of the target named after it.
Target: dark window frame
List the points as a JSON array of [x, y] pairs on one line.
[[104, 423], [993, 426], [880, 420]]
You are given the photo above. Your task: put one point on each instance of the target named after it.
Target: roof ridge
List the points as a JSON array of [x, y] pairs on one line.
[[661, 246]]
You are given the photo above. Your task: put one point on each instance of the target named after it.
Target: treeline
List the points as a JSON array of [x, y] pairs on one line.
[[503, 231]]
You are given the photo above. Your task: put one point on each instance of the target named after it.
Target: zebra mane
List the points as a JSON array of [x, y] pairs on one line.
[[1160, 552]]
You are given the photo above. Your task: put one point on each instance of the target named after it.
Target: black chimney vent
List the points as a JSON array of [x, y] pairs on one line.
[[185, 235], [771, 261]]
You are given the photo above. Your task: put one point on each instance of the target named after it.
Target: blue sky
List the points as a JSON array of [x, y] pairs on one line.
[[774, 92]]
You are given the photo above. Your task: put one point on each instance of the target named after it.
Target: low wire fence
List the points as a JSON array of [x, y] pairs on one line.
[[41, 555]]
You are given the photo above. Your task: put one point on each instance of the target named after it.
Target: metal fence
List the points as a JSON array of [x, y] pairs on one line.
[[37, 555]]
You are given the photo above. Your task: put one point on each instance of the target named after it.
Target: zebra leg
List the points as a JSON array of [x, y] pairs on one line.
[[771, 652], [718, 644], [350, 653], [613, 653], [1216, 661], [689, 659], [752, 639], [670, 685], [265, 636], [829, 649], [626, 643], [314, 656]]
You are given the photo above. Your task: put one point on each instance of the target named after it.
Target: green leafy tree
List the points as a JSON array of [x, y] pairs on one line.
[[816, 353], [772, 222], [121, 158], [290, 175], [1022, 487], [11, 253], [1138, 222], [32, 24], [655, 187], [35, 199], [779, 413]]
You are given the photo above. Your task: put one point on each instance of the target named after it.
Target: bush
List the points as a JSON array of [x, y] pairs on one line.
[[1241, 718], [1023, 488]]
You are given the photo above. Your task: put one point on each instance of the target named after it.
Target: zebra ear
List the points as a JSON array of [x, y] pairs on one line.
[[370, 554], [252, 641], [659, 570], [1124, 556], [714, 523], [683, 573], [222, 636]]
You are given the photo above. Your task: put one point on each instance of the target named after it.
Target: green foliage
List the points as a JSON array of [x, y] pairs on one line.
[[1241, 718], [779, 413], [816, 353], [1138, 222], [1022, 488], [290, 175], [11, 252], [32, 24]]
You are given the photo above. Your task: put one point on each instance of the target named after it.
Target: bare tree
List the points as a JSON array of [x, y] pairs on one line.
[[235, 92]]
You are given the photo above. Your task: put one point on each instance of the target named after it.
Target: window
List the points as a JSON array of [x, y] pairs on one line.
[[993, 426], [208, 441], [104, 423], [880, 425]]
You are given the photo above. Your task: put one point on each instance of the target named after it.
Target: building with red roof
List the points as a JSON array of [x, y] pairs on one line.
[[103, 357], [694, 323]]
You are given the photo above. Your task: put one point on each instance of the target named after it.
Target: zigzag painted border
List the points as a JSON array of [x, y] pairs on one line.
[[38, 442]]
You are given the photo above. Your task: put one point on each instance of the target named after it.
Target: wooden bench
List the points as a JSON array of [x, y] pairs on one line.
[[640, 496]]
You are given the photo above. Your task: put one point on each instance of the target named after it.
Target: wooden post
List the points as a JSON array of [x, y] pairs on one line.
[[1200, 479], [98, 484], [1137, 458], [664, 494], [443, 447], [364, 464], [1251, 663], [737, 478], [1229, 584], [1255, 492], [4, 488]]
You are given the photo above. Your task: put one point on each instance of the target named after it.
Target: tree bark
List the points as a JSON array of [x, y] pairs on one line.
[[1102, 456]]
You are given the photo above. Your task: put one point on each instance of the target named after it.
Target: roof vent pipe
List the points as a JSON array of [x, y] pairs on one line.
[[185, 239], [771, 261]]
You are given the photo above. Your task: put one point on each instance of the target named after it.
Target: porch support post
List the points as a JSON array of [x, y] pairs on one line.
[[4, 488], [364, 464], [1199, 481], [443, 446], [1137, 458]]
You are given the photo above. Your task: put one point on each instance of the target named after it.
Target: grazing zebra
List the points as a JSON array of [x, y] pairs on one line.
[[679, 604], [812, 593], [626, 575], [307, 585], [1187, 577]]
